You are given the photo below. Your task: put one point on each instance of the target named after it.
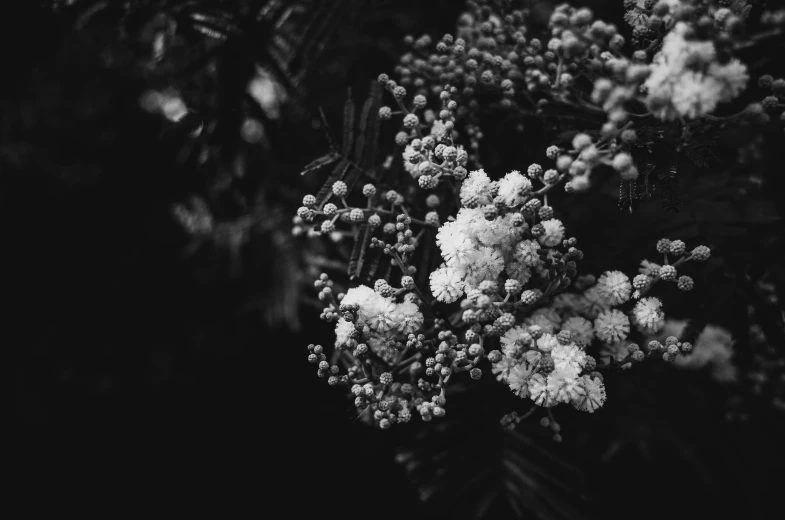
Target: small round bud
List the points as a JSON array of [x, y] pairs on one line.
[[668, 273], [386, 378], [411, 121], [677, 247], [641, 282], [374, 221], [340, 189], [663, 245], [494, 356], [581, 141], [534, 170], [622, 161], [369, 190], [701, 253], [427, 182], [476, 374], [638, 356], [685, 283], [686, 347], [385, 113]]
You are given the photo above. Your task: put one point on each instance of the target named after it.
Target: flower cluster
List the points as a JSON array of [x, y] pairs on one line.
[[500, 297]]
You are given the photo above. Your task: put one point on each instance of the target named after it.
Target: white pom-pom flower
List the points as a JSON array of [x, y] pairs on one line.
[[648, 315], [446, 284], [554, 233], [513, 188], [615, 287], [612, 326]]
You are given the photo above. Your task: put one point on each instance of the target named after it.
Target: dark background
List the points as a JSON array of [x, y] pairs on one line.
[[139, 378]]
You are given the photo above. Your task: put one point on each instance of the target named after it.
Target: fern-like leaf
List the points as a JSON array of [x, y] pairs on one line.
[[317, 164]]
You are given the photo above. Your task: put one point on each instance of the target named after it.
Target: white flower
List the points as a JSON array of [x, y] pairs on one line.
[[538, 390], [594, 396], [554, 233], [648, 315], [485, 263], [518, 379], [527, 252], [581, 329], [615, 287], [513, 188], [477, 186], [514, 341], [564, 387], [382, 317], [343, 331], [455, 246], [547, 342], [568, 359], [687, 81], [360, 295], [612, 326], [409, 318], [446, 284]]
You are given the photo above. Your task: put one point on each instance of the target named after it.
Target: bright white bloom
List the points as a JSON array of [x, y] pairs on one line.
[[648, 315], [564, 387], [687, 81], [527, 252], [554, 233], [455, 245], [360, 295], [486, 263], [409, 318], [568, 359], [343, 331], [446, 284], [612, 326], [513, 188], [581, 329], [547, 342], [476, 188], [594, 396], [538, 389], [615, 287], [382, 317], [514, 341], [518, 379]]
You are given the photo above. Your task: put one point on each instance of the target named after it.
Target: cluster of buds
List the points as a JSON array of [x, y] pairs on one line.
[[674, 254]]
